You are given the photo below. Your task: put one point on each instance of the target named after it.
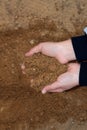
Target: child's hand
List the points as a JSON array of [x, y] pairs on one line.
[[65, 81], [62, 51]]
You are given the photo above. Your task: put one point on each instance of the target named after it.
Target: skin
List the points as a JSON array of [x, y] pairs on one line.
[[66, 80]]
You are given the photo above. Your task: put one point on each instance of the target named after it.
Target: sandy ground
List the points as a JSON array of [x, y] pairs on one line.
[[22, 106]]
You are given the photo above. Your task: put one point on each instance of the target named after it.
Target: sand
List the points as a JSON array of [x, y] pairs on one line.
[[24, 25]]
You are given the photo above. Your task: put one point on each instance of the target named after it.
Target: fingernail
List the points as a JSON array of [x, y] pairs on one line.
[[43, 91]]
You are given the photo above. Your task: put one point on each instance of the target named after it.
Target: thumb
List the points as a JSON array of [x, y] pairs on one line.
[[50, 87], [35, 49]]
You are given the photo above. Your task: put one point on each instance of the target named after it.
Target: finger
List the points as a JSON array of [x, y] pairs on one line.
[[57, 90], [35, 49], [23, 72], [50, 87], [22, 66]]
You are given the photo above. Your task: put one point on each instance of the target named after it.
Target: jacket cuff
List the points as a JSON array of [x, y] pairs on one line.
[[83, 74], [80, 47]]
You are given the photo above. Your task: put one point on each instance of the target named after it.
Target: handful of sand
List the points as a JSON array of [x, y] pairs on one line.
[[41, 70]]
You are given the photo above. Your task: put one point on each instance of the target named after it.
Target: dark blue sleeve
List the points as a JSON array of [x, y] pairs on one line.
[[83, 74], [80, 47]]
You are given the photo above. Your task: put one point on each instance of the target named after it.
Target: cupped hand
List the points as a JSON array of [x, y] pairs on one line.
[[62, 51], [65, 81]]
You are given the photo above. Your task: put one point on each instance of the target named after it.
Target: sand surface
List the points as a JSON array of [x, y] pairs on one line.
[[23, 25]]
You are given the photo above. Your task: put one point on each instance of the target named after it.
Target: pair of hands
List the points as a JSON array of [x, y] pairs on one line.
[[63, 52]]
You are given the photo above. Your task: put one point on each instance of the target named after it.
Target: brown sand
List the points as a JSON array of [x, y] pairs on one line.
[[22, 106], [20, 96]]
